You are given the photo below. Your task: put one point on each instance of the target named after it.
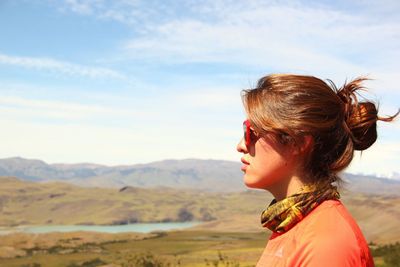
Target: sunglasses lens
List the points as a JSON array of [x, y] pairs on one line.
[[246, 132]]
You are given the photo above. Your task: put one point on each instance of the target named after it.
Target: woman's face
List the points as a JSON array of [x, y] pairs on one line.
[[266, 162]]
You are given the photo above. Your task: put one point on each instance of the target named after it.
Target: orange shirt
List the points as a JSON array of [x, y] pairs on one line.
[[327, 237]]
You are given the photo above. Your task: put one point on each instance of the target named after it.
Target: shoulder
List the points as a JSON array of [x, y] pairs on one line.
[[330, 234], [330, 219]]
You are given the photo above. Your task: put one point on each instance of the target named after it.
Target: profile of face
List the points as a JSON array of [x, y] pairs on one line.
[[266, 161]]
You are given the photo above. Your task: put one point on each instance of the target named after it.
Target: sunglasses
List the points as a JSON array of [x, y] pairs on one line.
[[249, 134]]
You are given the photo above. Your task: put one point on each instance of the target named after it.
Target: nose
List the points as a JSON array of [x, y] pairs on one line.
[[241, 146]]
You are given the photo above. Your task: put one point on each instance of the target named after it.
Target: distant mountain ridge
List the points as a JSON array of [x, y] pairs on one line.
[[207, 175]]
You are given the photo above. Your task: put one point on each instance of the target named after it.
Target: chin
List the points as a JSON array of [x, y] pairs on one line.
[[257, 183], [253, 184]]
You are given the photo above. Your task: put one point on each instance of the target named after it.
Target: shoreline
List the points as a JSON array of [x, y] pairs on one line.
[[112, 229]]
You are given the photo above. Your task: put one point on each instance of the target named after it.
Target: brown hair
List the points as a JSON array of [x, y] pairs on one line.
[[293, 106]]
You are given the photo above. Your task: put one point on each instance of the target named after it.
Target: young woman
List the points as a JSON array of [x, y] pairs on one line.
[[300, 133]]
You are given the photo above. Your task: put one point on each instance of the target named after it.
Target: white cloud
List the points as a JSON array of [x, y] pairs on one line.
[[27, 109], [134, 143], [131, 12], [217, 98], [381, 159], [81, 7], [335, 41], [275, 37], [53, 65], [278, 36]]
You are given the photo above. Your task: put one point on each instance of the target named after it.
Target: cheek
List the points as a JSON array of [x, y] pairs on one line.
[[264, 175], [266, 169]]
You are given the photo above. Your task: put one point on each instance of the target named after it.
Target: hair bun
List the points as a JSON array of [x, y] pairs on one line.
[[359, 118], [362, 124]]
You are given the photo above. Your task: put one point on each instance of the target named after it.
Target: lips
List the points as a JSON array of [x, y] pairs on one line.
[[245, 164]]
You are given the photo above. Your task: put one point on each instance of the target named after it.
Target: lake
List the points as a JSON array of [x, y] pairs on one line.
[[136, 227]]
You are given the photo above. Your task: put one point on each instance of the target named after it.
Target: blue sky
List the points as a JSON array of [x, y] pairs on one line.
[[130, 81]]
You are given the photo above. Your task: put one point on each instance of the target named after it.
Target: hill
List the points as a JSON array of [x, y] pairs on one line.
[[207, 175], [23, 203]]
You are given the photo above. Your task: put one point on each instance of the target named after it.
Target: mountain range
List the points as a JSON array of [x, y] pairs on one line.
[[206, 175], [213, 192]]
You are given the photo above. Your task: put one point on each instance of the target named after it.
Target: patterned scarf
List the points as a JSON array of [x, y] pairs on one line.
[[281, 216]]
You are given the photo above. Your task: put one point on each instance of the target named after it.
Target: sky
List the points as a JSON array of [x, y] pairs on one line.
[[131, 81]]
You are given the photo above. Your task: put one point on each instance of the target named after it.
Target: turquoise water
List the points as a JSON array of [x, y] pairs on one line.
[[137, 227]]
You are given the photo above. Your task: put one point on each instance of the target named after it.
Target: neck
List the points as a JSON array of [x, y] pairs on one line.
[[286, 188]]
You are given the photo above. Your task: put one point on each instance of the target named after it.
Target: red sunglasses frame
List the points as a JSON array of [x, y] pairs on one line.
[[247, 131]]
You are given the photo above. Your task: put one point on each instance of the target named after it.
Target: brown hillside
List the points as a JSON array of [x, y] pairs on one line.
[[23, 203]]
